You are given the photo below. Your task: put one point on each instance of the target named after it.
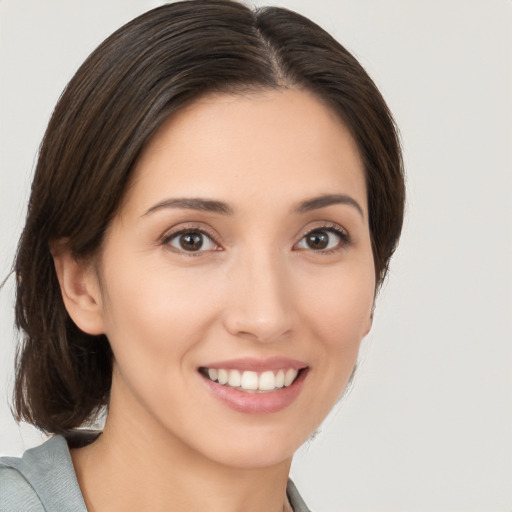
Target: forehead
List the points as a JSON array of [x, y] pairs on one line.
[[279, 145]]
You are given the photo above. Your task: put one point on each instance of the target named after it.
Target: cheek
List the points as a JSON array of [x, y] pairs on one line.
[[153, 326], [153, 312], [339, 314], [340, 305]]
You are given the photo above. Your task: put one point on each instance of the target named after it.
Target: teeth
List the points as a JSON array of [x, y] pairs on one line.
[[253, 381], [249, 381], [223, 376], [290, 376], [280, 379], [234, 378], [267, 381]]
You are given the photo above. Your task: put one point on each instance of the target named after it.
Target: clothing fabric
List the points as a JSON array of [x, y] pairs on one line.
[[44, 480]]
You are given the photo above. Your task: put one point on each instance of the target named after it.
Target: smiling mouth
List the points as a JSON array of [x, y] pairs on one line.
[[251, 381]]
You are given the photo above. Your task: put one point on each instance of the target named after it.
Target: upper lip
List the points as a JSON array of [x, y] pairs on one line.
[[257, 365]]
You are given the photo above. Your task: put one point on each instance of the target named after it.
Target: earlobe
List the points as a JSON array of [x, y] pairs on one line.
[[80, 290]]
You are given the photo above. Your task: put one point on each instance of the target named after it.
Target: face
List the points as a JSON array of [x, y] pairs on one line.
[[237, 280]]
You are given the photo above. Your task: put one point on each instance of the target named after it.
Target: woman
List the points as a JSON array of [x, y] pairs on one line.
[[217, 197]]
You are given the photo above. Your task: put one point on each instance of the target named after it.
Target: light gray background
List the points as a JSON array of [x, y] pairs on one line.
[[428, 425]]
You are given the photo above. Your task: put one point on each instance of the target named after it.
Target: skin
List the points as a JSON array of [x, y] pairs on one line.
[[257, 289]]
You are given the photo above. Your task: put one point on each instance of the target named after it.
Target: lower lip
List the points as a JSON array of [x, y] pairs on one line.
[[257, 403]]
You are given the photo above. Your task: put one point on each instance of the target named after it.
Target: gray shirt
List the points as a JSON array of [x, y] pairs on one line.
[[44, 480]]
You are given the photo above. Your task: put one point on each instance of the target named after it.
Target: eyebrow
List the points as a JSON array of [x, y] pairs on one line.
[[220, 207], [328, 200], [193, 203]]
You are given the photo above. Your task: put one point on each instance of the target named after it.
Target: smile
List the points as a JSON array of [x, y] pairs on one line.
[[251, 381], [255, 386]]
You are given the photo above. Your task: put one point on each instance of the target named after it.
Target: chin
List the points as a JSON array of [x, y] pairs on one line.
[[255, 457], [255, 448]]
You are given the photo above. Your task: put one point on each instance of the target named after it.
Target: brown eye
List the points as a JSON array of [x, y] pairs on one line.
[[324, 239], [191, 241], [317, 240]]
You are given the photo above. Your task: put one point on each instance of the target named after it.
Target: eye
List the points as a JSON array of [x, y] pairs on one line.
[[324, 239], [191, 240]]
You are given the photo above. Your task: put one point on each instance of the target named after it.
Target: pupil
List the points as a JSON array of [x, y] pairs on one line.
[[318, 240], [191, 241]]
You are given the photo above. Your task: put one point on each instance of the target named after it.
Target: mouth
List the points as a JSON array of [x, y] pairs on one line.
[[255, 386], [251, 381]]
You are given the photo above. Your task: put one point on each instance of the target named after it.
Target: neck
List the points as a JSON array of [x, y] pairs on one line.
[[134, 466]]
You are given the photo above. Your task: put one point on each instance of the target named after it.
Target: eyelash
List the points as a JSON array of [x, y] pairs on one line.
[[345, 239], [189, 230]]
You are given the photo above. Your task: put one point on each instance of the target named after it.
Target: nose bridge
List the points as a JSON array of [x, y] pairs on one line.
[[260, 305]]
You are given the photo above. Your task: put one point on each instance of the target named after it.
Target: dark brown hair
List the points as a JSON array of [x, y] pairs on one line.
[[128, 86]]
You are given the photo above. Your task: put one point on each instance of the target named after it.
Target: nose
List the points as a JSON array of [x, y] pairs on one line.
[[260, 299]]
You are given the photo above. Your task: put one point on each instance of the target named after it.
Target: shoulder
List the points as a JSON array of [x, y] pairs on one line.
[[295, 499], [15, 492], [43, 479]]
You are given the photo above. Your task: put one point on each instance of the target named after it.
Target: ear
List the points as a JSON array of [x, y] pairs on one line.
[[80, 289]]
